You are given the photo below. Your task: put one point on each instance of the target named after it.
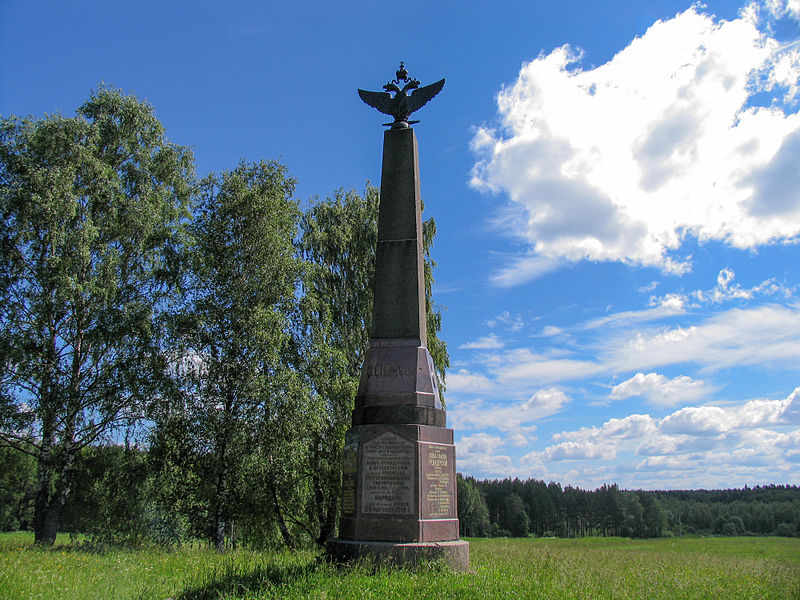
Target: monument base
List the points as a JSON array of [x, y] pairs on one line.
[[455, 553]]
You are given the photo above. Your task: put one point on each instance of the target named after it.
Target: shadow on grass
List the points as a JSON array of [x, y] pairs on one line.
[[235, 583], [230, 582]]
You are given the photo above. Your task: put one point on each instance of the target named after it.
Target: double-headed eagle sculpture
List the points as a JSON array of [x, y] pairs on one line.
[[401, 105]]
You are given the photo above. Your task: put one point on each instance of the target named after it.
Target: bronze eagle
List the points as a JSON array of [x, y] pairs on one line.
[[401, 105]]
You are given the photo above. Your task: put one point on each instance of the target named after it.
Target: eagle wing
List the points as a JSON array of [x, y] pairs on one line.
[[420, 96], [380, 100]]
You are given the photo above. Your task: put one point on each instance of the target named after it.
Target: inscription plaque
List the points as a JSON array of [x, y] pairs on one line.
[[349, 469], [437, 491], [387, 475]]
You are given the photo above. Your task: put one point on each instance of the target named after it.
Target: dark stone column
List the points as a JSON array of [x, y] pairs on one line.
[[398, 478], [399, 310]]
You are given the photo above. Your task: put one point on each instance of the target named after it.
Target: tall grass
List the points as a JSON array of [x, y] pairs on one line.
[[736, 568]]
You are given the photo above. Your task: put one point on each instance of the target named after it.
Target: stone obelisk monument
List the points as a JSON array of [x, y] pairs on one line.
[[398, 476]]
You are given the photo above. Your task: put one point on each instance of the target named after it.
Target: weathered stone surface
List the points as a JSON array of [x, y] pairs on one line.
[[398, 484], [399, 309], [398, 372]]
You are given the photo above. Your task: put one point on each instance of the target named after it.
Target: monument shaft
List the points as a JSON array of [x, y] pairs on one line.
[[398, 476], [399, 309]]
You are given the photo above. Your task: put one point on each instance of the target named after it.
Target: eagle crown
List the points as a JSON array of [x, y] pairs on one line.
[[401, 75], [401, 105]]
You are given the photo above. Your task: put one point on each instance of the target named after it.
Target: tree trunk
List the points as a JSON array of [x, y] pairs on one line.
[[221, 497], [326, 506], [45, 523], [47, 508], [288, 539]]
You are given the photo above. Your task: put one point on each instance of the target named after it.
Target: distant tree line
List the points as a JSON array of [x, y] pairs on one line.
[[178, 356], [515, 508]]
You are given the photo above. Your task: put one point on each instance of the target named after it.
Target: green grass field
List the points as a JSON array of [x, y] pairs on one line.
[[736, 568]]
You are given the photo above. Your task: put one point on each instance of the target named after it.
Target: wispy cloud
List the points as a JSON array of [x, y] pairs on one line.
[[515, 417], [524, 269], [489, 342], [511, 322]]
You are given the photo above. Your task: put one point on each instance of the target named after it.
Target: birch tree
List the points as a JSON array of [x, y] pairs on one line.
[[88, 247]]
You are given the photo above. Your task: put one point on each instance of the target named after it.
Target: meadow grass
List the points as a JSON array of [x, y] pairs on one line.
[[736, 568]]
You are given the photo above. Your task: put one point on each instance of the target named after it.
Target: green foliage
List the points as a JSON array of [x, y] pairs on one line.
[[436, 345], [90, 208], [217, 318], [337, 243], [473, 514], [233, 396], [17, 489], [608, 511]]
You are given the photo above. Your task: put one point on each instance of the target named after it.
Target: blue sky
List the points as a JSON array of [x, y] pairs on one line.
[[615, 185]]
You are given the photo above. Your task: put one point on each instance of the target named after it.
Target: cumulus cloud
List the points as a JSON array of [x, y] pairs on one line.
[[702, 420], [477, 454], [634, 426], [622, 161], [464, 380], [577, 451], [480, 443], [659, 390], [691, 447]]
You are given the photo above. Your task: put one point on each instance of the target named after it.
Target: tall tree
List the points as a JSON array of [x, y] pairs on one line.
[[232, 336], [473, 515], [338, 241], [338, 244], [90, 208]]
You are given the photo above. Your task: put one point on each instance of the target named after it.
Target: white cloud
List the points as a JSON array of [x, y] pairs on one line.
[[523, 269], [661, 391], [476, 454], [764, 336], [726, 290], [695, 446], [577, 451], [621, 161], [649, 287], [479, 443], [667, 306], [631, 427], [466, 381], [509, 417], [489, 342], [781, 8], [513, 323], [702, 420]]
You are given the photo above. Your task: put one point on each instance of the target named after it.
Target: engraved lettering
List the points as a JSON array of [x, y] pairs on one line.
[[349, 468], [438, 483], [387, 475], [393, 370]]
